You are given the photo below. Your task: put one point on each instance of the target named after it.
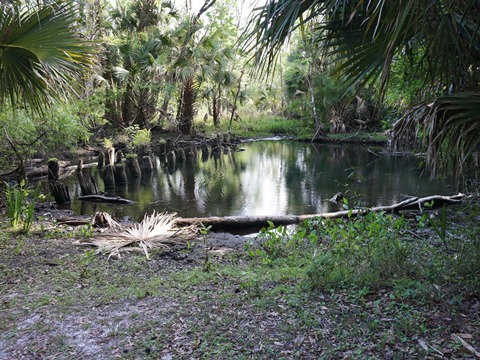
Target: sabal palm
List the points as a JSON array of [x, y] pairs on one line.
[[191, 65], [365, 38], [40, 57]]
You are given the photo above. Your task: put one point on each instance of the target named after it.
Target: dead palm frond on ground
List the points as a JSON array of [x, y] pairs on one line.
[[156, 231]]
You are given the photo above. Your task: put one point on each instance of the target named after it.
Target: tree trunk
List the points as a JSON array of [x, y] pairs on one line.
[[187, 106], [241, 222], [234, 107]]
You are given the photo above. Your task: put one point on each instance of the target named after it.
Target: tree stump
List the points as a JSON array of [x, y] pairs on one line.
[[205, 151], [163, 147], [101, 159], [87, 186], [120, 174], [168, 145], [180, 153], [110, 156], [171, 157], [216, 145], [147, 165], [58, 190], [133, 166], [192, 154], [118, 157], [108, 176], [53, 170]]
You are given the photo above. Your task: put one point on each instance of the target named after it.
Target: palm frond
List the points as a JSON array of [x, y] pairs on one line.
[[156, 231], [364, 37], [271, 26], [449, 127], [39, 53]]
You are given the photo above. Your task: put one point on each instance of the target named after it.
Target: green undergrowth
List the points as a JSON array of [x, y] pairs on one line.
[[264, 126], [376, 286], [261, 126], [375, 250]]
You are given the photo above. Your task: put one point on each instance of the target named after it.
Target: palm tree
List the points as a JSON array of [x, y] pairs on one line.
[[40, 56], [133, 65], [186, 67], [366, 38]]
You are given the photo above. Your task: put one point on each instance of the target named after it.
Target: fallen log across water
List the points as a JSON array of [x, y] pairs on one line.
[[227, 223], [105, 199]]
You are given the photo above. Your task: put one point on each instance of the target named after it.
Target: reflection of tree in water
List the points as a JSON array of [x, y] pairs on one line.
[[219, 187], [314, 173], [201, 186]]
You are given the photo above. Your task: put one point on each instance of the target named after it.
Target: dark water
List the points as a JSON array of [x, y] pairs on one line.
[[269, 178]]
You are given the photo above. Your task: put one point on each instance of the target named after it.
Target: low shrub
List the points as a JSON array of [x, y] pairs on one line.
[[363, 251]]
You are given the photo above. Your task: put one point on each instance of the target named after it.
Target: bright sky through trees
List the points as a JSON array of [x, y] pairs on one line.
[[243, 7]]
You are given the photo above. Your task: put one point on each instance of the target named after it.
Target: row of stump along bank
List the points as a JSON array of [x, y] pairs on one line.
[[114, 166]]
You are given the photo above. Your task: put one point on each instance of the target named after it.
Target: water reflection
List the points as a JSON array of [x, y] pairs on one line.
[[268, 178]]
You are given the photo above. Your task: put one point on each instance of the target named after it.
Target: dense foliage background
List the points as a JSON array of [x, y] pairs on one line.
[[110, 69]]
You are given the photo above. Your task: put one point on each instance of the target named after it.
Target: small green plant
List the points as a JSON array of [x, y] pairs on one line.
[[204, 231], [85, 231], [107, 143], [252, 284], [142, 293], [440, 226], [14, 198], [273, 243], [85, 263], [142, 138], [20, 203], [29, 211], [361, 251]]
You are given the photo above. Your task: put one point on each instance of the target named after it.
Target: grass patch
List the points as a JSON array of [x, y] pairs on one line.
[[367, 137], [262, 126]]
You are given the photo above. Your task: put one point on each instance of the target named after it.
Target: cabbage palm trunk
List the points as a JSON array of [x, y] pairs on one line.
[[187, 106]]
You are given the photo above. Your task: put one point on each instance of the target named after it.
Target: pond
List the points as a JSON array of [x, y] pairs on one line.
[[269, 178]]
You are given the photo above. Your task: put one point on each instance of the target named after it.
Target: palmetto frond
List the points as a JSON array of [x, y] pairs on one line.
[[270, 27], [450, 128], [154, 227], [364, 37], [39, 53], [156, 231]]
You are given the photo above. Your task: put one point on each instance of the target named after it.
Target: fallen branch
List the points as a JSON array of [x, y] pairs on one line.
[[73, 221], [105, 199], [241, 222]]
